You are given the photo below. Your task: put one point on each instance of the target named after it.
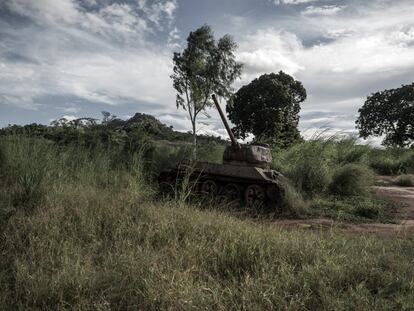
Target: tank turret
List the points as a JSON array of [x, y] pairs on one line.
[[245, 155], [244, 176]]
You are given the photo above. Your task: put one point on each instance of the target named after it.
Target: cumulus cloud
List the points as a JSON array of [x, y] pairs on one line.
[[362, 50], [99, 55], [268, 50]]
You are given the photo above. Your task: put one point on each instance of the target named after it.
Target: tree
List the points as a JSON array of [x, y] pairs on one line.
[[206, 66], [268, 107], [389, 113]]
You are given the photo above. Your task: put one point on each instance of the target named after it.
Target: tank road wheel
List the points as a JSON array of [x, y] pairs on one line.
[[255, 196], [232, 192], [209, 187]]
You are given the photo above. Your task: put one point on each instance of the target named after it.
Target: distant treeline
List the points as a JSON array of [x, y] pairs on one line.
[[161, 144], [130, 133]]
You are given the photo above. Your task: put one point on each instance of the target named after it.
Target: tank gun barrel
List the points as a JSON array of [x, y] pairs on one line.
[[234, 142]]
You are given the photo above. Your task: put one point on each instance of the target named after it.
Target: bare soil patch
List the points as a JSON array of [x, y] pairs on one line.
[[404, 229]]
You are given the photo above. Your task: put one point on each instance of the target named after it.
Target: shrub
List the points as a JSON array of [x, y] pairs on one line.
[[392, 161], [349, 152], [408, 163], [307, 165], [405, 180], [351, 180], [386, 165]]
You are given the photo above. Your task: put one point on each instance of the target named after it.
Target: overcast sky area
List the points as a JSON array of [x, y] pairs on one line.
[[75, 58]]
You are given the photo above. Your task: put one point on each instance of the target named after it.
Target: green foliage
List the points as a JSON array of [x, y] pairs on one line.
[[27, 176], [351, 180], [268, 107], [206, 66], [321, 167], [389, 113], [161, 146], [405, 180], [291, 202], [392, 161], [166, 155], [347, 151], [307, 165], [408, 162], [98, 241], [364, 208]]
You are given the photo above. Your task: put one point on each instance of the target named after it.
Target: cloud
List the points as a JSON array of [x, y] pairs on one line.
[[45, 11], [174, 39], [323, 10], [268, 50], [156, 11], [102, 55], [278, 2], [364, 49]]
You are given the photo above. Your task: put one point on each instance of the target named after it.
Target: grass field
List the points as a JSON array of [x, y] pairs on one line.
[[81, 231]]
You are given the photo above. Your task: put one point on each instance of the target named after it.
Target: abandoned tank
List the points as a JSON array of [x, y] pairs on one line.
[[244, 176]]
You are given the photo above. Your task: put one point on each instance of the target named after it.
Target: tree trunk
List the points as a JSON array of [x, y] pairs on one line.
[[194, 141]]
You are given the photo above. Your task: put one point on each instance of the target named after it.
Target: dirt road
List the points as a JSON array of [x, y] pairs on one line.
[[404, 229]]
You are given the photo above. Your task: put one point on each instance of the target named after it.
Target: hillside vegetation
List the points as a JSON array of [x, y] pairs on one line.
[[81, 229]]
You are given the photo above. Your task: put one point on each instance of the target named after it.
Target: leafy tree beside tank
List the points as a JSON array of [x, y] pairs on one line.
[[389, 113], [268, 107], [204, 67]]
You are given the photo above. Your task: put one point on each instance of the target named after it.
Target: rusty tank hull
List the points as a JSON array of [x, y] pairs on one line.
[[245, 175], [250, 186]]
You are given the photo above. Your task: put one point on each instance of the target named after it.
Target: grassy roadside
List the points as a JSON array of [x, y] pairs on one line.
[[79, 231]]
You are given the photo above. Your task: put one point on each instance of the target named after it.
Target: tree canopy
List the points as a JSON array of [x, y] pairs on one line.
[[268, 107], [204, 67], [389, 113]]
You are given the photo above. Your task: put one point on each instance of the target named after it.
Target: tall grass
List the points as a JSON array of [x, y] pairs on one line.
[[323, 167], [392, 161], [99, 241], [352, 180], [312, 164]]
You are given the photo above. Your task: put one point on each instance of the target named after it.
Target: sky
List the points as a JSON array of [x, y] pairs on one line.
[[76, 58]]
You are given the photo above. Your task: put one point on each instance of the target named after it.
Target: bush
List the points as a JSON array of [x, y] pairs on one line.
[[386, 165], [307, 165], [405, 180], [392, 161], [408, 163], [349, 152], [351, 180]]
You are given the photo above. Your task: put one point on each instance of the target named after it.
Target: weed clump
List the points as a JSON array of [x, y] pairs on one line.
[[351, 180], [307, 165], [291, 201]]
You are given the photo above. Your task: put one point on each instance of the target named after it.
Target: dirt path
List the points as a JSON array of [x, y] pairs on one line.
[[404, 195], [403, 229]]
